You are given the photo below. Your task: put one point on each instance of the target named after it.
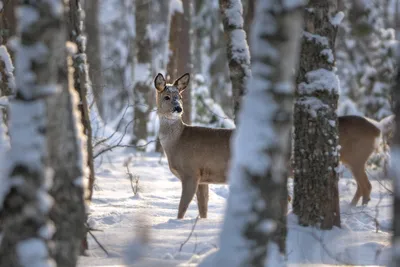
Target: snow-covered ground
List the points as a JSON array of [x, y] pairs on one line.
[[364, 238]]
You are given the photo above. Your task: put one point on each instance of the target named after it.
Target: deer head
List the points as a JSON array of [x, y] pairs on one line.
[[169, 96]]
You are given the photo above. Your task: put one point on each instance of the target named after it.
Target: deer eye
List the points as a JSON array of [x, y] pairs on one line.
[[167, 98]]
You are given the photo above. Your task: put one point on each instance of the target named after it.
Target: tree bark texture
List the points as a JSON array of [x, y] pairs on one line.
[[237, 49], [316, 151]]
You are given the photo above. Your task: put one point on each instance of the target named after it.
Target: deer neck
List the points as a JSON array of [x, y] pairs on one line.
[[170, 131]]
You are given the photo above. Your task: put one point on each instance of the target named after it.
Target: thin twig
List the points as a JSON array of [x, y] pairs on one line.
[[191, 232], [89, 229], [121, 146]]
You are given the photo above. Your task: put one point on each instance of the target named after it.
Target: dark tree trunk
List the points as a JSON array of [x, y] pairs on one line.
[[316, 152], [94, 51], [179, 60], [142, 91], [395, 170], [248, 17], [8, 22]]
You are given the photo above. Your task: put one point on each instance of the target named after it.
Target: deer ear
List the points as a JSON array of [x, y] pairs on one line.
[[182, 82], [159, 82]]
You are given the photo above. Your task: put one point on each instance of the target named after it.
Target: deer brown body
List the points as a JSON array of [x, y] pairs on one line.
[[199, 156], [357, 137]]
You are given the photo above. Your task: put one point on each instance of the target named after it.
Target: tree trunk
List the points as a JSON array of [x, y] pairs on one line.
[[142, 90], [238, 55], [94, 52], [316, 151], [160, 55], [254, 227], [179, 60], [248, 17], [67, 153], [68, 160], [8, 23], [81, 85], [395, 169], [27, 203], [221, 85]]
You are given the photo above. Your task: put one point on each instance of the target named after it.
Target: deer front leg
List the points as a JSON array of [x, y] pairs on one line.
[[189, 187], [202, 200]]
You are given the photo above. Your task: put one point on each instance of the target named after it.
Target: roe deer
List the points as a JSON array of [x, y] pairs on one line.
[[358, 137], [198, 156]]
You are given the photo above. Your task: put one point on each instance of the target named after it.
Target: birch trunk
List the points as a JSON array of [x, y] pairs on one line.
[[254, 227], [27, 229], [316, 153], [237, 49]]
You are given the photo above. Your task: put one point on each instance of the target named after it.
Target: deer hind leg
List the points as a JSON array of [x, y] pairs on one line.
[[357, 195], [189, 187], [202, 200], [363, 186]]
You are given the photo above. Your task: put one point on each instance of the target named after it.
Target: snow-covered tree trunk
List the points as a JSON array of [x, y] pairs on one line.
[[395, 172], [179, 45], [94, 51], [237, 49], [257, 174], [82, 83], [316, 140], [142, 90], [26, 206]]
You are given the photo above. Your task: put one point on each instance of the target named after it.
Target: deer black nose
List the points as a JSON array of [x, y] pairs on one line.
[[178, 109]]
